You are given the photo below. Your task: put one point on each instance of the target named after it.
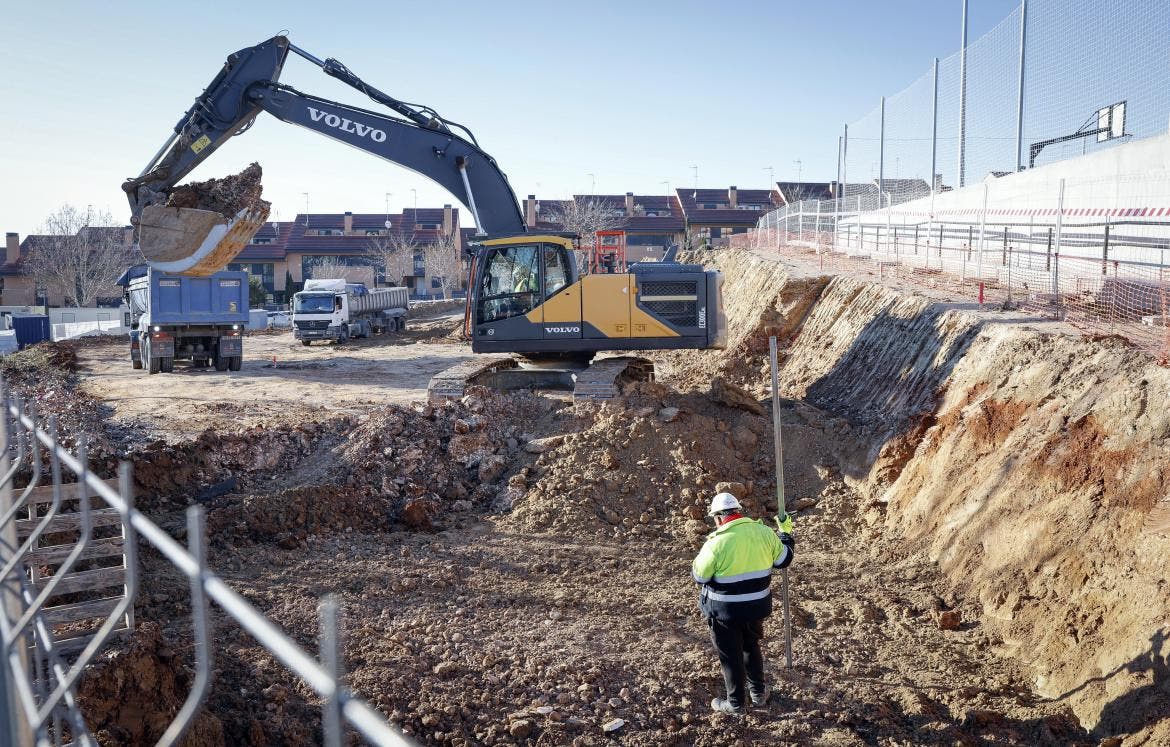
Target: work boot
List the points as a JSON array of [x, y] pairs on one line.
[[719, 705], [762, 698]]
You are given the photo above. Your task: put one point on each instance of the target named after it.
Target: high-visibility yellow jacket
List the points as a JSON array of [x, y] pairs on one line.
[[734, 569]]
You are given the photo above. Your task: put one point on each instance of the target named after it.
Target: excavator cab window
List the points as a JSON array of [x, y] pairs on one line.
[[556, 275], [510, 283]]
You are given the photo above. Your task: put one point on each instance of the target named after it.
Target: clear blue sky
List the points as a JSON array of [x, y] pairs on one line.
[[634, 92]]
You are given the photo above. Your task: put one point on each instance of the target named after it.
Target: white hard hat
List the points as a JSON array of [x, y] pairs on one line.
[[723, 502]]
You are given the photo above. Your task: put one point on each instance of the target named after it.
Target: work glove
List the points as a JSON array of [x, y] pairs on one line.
[[784, 523]]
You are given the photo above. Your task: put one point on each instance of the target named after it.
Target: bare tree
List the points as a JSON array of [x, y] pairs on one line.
[[443, 263], [395, 252], [80, 256], [585, 218], [329, 268]]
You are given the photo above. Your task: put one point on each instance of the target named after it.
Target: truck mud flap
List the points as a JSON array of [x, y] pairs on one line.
[[231, 346], [162, 347]]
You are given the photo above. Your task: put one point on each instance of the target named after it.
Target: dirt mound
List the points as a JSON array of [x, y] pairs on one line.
[[761, 300], [647, 465], [130, 694], [226, 196], [43, 377], [185, 470]]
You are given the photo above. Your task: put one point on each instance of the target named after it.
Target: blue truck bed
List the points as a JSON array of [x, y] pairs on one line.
[[178, 299]]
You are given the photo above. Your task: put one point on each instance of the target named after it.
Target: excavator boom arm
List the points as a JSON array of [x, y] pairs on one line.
[[421, 141]]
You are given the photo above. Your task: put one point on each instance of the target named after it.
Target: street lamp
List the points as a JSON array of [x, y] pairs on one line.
[[771, 176], [388, 225], [799, 166], [592, 183]]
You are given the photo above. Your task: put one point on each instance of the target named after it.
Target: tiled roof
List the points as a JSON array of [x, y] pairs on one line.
[[690, 199], [649, 203], [401, 223], [275, 250]]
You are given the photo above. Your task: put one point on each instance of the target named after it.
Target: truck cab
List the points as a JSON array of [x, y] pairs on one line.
[[332, 309], [321, 312]]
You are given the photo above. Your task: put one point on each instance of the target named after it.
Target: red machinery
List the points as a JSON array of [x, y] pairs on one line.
[[608, 254]]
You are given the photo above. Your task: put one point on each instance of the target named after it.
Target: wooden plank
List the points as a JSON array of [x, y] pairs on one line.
[[70, 522], [102, 548], [69, 491], [68, 613], [99, 578], [75, 644]]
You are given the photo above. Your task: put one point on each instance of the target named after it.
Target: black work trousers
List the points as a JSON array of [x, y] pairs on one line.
[[738, 644]]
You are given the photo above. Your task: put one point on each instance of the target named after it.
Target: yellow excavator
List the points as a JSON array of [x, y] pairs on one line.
[[525, 294]]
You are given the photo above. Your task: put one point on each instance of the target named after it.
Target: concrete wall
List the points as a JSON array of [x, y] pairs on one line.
[[66, 315], [1126, 181]]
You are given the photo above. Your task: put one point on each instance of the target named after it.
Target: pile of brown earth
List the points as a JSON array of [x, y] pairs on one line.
[[43, 378], [226, 196], [646, 464]]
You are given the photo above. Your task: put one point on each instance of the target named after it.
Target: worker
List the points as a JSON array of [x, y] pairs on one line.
[[734, 570], [523, 279]]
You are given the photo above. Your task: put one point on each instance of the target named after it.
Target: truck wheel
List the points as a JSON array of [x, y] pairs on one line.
[[166, 365], [221, 364], [235, 362], [306, 343]]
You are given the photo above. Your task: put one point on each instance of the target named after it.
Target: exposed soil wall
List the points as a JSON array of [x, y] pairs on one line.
[[1026, 463]]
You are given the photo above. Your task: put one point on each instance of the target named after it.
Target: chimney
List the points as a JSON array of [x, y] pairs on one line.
[[629, 204], [12, 247], [128, 235], [732, 196], [348, 223], [448, 220], [530, 211]]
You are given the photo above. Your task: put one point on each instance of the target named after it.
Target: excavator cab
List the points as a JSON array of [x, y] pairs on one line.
[[521, 288]]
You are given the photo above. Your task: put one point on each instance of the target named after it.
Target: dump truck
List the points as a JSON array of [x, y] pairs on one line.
[[178, 317], [332, 309]]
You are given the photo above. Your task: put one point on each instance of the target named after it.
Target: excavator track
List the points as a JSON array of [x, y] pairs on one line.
[[603, 379], [453, 382]]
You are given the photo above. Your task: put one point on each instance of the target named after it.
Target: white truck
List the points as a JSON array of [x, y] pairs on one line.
[[332, 309]]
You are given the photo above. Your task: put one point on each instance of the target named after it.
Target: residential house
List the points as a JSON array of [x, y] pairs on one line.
[[265, 257], [19, 288], [354, 240], [714, 214]]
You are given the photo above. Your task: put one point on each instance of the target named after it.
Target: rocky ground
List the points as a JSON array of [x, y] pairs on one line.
[[514, 569]]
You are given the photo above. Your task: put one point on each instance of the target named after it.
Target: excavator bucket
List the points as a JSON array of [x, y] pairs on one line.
[[189, 241]]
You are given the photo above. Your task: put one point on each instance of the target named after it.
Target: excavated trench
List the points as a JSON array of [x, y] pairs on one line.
[[978, 560]]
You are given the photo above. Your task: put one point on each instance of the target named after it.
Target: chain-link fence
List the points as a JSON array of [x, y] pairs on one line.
[[1057, 253], [1053, 80], [994, 176]]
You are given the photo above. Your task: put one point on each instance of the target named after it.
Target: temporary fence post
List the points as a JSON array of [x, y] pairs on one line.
[[1048, 252], [1009, 277], [940, 246], [982, 232], [1056, 252], [817, 225], [1004, 259], [1105, 250]]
